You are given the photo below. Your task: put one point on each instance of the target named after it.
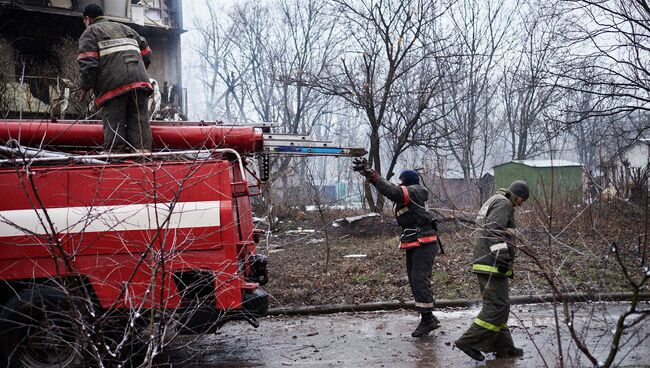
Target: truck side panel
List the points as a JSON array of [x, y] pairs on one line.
[[122, 226]]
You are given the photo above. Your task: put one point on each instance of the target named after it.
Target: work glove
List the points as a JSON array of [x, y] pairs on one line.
[[361, 166], [83, 93]]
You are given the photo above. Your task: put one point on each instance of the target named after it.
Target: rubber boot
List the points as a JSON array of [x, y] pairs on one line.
[[512, 352], [428, 323], [470, 351], [505, 347]]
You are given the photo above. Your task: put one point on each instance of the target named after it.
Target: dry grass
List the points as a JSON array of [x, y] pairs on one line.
[[578, 251]]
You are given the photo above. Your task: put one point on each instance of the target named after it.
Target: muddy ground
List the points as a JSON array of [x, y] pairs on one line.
[[364, 264], [382, 339]]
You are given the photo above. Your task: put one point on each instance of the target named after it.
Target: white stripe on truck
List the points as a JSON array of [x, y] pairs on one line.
[[149, 216]]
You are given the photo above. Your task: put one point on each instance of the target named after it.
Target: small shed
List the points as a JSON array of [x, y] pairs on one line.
[[566, 176]]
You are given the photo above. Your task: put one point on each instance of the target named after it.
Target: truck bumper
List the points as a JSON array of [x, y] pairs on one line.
[[256, 302], [207, 319]]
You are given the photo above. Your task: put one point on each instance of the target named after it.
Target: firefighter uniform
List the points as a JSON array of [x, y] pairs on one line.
[[418, 239], [113, 61], [494, 254]]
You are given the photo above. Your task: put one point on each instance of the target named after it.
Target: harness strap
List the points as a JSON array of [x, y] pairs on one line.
[[405, 191]]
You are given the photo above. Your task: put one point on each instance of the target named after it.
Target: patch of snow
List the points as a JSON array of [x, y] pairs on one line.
[[353, 219], [547, 163], [355, 256], [260, 220], [633, 318], [334, 207], [300, 231]]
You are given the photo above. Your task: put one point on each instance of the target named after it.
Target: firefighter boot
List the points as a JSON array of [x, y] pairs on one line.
[[428, 323], [505, 347], [470, 351], [512, 352]]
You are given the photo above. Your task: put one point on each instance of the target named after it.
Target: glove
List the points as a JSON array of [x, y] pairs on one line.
[[83, 93], [361, 166]]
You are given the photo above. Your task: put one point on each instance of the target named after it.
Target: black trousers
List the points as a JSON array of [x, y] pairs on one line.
[[126, 122], [419, 263]]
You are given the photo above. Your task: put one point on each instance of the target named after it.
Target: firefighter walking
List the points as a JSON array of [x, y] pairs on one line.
[[494, 254], [113, 61], [418, 239]]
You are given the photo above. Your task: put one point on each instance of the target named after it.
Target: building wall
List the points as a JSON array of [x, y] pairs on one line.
[[166, 61], [61, 19], [453, 192], [567, 180]]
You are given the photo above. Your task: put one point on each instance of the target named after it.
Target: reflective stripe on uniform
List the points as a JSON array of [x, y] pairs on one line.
[[113, 50], [424, 240], [116, 45], [489, 326], [428, 239], [409, 245], [498, 246], [492, 269], [145, 51], [119, 90], [424, 305], [116, 42], [402, 211], [88, 55]]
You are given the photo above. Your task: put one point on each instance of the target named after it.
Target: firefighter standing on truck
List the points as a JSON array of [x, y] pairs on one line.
[[418, 239], [494, 255], [113, 61]]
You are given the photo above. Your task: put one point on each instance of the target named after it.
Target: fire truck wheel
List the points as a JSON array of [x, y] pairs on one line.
[[37, 330]]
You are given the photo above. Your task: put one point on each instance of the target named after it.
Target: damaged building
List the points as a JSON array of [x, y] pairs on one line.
[[38, 55]]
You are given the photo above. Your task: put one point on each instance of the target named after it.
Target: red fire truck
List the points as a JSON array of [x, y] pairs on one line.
[[155, 238]]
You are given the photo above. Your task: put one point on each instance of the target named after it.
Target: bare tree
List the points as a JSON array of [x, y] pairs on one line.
[[528, 88], [483, 31], [220, 68], [282, 43], [629, 268], [611, 39], [387, 70]]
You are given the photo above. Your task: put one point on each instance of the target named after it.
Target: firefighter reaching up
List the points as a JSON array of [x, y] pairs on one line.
[[418, 239]]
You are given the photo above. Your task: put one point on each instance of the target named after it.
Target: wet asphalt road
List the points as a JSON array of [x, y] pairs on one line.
[[382, 339]]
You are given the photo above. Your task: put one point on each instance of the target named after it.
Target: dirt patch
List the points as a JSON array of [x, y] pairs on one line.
[[365, 265]]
